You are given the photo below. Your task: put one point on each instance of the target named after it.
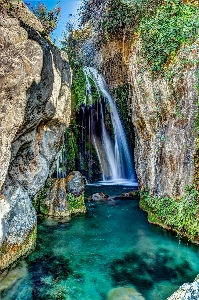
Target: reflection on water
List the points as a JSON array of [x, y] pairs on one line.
[[112, 246]]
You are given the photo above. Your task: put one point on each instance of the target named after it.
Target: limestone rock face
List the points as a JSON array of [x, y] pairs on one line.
[[64, 196], [163, 112], [34, 112]]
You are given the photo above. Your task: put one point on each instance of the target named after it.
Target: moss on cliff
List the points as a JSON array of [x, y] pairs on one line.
[[121, 94], [38, 200], [162, 26], [181, 216], [175, 23]]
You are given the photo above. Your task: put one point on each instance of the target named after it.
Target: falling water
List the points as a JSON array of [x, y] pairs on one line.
[[97, 113], [114, 155]]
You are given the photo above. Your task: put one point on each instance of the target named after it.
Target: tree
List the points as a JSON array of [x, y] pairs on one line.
[[48, 18]]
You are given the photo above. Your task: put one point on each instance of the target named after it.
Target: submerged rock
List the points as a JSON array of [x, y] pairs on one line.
[[99, 196], [64, 196], [188, 291], [124, 293], [13, 278], [130, 194]]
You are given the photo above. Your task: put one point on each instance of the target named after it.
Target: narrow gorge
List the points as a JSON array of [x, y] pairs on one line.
[[99, 143]]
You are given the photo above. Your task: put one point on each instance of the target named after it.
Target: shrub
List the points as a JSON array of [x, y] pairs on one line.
[[48, 18], [181, 216], [175, 23]]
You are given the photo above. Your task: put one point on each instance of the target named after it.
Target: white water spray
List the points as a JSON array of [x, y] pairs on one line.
[[116, 154]]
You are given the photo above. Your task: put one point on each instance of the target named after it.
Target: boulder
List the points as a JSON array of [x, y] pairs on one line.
[[130, 194], [99, 196], [75, 183], [63, 196]]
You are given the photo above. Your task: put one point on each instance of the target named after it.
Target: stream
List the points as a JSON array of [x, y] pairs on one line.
[[113, 245]]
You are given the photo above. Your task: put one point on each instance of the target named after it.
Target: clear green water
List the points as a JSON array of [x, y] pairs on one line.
[[112, 245]]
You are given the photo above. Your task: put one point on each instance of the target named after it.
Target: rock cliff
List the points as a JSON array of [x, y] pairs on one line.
[[163, 111], [161, 70], [35, 110]]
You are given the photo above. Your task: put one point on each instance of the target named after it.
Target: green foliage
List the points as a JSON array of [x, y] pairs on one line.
[[119, 18], [38, 201], [121, 94], [162, 34], [182, 216], [72, 42], [76, 204], [177, 110], [94, 91], [79, 93], [78, 88], [48, 18], [163, 26], [115, 18]]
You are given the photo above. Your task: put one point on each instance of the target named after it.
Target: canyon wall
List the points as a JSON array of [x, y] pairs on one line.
[[35, 110], [158, 58], [163, 111]]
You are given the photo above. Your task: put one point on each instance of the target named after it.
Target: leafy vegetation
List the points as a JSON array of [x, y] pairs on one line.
[[79, 92], [70, 148], [162, 26], [48, 18], [71, 44], [121, 94], [76, 204], [181, 216], [115, 18], [175, 23], [38, 201], [78, 88]]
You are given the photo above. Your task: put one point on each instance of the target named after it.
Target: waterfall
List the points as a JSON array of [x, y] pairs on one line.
[[113, 152], [102, 150]]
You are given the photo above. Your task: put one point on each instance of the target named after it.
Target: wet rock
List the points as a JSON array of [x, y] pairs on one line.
[[130, 194], [75, 183], [188, 291], [99, 196], [124, 293], [64, 196]]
